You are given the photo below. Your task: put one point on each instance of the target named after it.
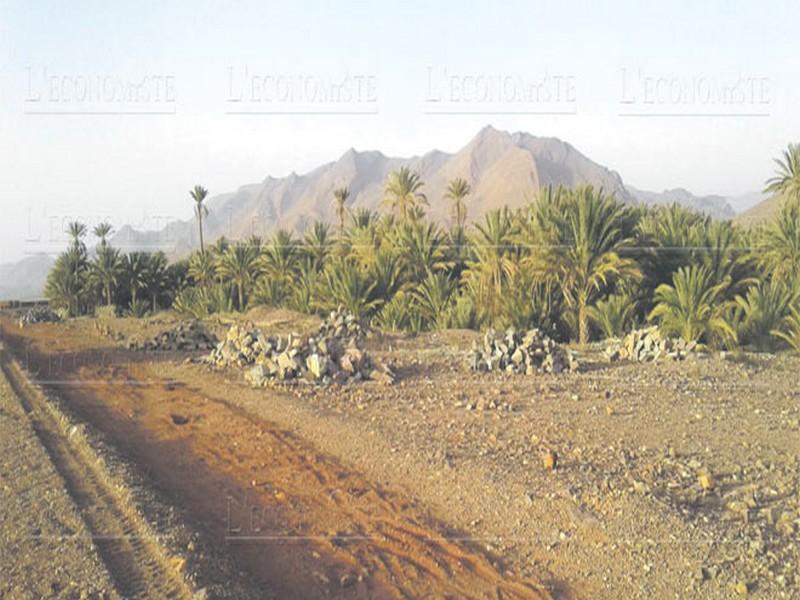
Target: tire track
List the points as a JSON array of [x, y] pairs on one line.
[[139, 566]]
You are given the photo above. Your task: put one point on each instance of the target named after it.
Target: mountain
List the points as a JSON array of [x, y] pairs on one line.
[[764, 210], [744, 202], [717, 207], [24, 280], [504, 169]]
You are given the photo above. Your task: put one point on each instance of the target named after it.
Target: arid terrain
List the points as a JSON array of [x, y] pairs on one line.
[[150, 473]]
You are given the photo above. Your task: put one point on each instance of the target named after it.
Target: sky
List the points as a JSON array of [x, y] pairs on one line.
[[115, 110]]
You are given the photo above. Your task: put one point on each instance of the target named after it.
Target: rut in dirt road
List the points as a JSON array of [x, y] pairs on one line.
[[300, 522], [138, 565]]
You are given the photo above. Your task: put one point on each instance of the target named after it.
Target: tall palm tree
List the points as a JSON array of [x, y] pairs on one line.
[[457, 190], [403, 194], [198, 194], [77, 231], [106, 270], [340, 196], [787, 176], [692, 306], [582, 250], [102, 231], [238, 266]]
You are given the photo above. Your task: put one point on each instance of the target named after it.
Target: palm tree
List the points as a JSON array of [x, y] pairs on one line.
[[102, 231], [238, 266], [198, 194], [279, 257], [403, 193], [66, 281], [613, 315], [790, 330], [691, 307], [433, 298], [780, 244], [135, 267], [317, 244], [421, 248], [156, 280], [77, 231], [492, 266], [345, 283], [787, 176], [582, 249], [340, 196], [202, 269], [457, 190], [106, 270], [762, 311], [363, 217]]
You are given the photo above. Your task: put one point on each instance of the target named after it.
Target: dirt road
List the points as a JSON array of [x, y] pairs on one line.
[[295, 521]]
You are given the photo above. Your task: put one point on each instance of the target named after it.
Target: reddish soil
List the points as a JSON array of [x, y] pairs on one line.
[[298, 521]]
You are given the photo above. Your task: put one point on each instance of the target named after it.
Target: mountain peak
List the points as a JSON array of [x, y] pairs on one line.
[[489, 132]]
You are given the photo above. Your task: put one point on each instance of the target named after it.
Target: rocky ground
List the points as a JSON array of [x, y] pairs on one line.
[[45, 548], [671, 479]]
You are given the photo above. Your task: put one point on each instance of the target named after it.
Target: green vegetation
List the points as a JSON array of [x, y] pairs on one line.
[[574, 262]]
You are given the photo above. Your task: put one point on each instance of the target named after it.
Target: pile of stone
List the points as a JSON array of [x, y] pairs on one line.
[[333, 354], [647, 345], [189, 336], [521, 352], [38, 314]]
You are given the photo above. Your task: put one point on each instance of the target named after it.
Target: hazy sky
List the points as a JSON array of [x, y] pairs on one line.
[[115, 112]]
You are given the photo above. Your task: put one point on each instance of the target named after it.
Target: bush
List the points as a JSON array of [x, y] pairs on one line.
[[138, 309], [105, 311], [201, 302], [613, 315]]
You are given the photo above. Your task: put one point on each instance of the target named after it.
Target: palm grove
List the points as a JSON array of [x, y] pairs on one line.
[[574, 262]]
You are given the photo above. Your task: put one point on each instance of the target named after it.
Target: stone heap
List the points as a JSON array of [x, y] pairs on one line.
[[648, 344], [188, 336], [38, 314], [333, 354], [521, 352]]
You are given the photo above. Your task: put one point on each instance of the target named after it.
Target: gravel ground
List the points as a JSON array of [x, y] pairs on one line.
[[673, 480], [45, 549]]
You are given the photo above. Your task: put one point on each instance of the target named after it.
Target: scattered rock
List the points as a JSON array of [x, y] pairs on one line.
[[187, 336], [549, 460], [741, 588], [38, 314]]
